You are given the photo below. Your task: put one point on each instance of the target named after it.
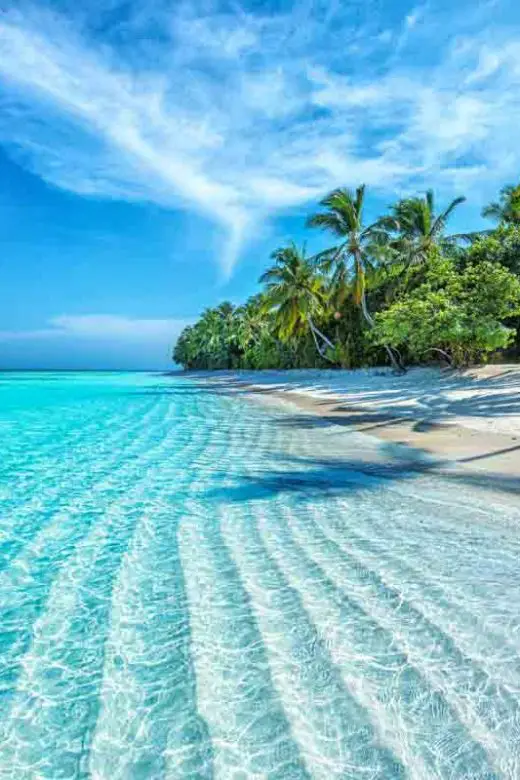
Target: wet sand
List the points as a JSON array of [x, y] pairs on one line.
[[494, 451], [493, 458], [466, 419]]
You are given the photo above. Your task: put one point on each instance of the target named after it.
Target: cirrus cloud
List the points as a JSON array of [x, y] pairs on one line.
[[241, 114]]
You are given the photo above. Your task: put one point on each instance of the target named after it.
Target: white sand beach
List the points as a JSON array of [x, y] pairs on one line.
[[471, 416]]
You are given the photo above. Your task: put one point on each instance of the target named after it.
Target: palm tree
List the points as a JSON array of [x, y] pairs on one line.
[[296, 292], [250, 322], [352, 257], [215, 335], [414, 228], [507, 210]]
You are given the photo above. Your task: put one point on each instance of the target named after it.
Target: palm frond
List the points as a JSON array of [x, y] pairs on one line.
[[326, 259], [442, 219], [359, 200], [383, 225], [492, 211], [327, 221], [343, 212], [470, 238]]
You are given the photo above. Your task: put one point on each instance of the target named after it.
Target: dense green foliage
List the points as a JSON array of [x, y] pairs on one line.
[[457, 313], [399, 289]]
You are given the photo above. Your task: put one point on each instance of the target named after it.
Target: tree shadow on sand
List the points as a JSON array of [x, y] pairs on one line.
[[397, 397], [308, 477]]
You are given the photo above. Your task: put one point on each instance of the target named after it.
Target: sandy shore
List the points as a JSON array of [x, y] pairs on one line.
[[467, 419]]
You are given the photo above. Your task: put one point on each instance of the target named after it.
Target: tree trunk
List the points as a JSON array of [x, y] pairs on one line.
[[322, 335], [448, 357], [314, 331], [398, 368]]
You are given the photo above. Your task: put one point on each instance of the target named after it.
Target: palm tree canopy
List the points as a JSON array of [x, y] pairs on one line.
[[295, 290], [344, 212], [507, 210], [251, 322], [413, 227], [348, 260], [416, 217], [303, 310], [355, 254]]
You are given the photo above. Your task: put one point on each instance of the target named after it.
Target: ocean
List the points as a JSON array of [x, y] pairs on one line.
[[194, 584]]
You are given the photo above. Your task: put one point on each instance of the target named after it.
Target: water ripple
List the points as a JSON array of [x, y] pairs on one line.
[[192, 588]]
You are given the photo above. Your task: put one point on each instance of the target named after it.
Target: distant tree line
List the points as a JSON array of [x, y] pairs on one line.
[[401, 289]]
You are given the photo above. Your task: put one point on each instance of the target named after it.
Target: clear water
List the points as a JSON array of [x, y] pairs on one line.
[[196, 586]]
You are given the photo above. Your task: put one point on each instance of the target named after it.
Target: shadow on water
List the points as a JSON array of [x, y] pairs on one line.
[[395, 462], [310, 421], [490, 454], [343, 476], [399, 462]]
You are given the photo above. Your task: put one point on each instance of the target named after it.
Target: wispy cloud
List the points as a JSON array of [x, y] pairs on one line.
[[242, 114], [102, 328]]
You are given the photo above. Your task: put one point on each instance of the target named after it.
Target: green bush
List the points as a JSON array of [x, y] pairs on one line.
[[501, 246], [456, 312]]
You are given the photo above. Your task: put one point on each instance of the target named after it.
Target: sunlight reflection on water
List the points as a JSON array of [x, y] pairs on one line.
[[196, 586]]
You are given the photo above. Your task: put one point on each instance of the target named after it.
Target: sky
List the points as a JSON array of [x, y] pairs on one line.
[[154, 152]]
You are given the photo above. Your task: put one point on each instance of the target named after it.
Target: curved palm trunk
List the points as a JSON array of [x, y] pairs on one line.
[[364, 308], [442, 352], [396, 365], [320, 334], [315, 333]]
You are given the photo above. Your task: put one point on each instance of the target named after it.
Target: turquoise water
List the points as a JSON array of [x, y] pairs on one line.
[[194, 585]]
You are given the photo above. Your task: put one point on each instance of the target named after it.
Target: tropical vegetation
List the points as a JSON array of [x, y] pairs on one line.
[[401, 289]]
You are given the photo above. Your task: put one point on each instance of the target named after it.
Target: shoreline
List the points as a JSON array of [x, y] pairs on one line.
[[443, 441]]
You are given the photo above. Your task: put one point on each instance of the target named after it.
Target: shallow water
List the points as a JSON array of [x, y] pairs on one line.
[[193, 585]]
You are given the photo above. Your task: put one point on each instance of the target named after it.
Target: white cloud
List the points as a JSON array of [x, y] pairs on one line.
[[238, 115], [102, 328]]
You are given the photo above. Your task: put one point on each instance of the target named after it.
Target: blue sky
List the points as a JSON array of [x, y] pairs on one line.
[[153, 152]]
